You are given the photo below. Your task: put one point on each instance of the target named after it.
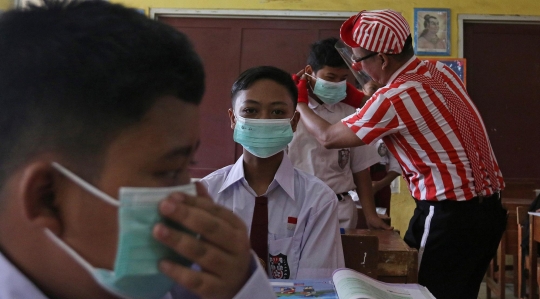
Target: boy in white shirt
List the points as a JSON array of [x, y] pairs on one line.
[[296, 235], [342, 169]]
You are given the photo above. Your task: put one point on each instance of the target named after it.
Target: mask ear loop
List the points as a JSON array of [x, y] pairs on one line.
[[85, 185]]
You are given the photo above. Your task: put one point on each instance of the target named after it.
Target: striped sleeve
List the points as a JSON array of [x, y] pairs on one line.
[[375, 120]]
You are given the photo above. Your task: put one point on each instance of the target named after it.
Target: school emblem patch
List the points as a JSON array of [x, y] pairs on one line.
[[279, 267], [382, 150], [343, 157]]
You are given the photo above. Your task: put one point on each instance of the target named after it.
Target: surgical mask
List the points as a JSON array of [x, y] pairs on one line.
[[329, 92], [135, 274], [263, 137]]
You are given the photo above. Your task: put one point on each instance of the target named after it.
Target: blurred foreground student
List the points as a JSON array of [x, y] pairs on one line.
[[98, 122], [292, 215]]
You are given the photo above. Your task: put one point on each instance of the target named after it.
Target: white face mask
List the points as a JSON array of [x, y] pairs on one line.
[[135, 274]]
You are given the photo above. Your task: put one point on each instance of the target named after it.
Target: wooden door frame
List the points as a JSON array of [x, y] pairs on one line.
[[252, 14], [492, 19]]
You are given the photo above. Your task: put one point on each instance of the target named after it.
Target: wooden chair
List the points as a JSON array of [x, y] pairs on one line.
[[522, 265], [496, 273], [361, 253], [534, 238], [496, 276]]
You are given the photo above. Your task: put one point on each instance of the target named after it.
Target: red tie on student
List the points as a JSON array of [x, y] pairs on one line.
[[259, 230]]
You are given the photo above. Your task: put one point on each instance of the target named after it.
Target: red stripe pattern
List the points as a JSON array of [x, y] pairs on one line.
[[420, 116], [381, 31]]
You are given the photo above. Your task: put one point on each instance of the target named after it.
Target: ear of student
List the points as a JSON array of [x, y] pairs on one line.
[[36, 190], [295, 120], [232, 118]]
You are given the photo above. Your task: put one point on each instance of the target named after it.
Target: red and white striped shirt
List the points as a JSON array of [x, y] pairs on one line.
[[416, 125]]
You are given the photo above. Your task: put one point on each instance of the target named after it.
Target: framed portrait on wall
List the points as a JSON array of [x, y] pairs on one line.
[[432, 31]]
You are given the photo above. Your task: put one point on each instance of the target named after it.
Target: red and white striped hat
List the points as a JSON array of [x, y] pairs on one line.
[[382, 31]]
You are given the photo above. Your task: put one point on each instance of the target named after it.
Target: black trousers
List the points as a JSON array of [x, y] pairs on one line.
[[455, 242]]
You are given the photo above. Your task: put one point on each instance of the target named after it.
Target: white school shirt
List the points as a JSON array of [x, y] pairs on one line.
[[311, 248], [335, 167], [15, 285]]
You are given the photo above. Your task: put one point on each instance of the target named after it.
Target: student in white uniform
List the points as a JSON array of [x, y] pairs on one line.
[[95, 97], [382, 175], [342, 169], [302, 237]]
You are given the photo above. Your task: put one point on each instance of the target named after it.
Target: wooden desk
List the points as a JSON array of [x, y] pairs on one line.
[[398, 263]]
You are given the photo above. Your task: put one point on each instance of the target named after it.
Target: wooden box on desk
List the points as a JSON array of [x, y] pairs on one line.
[[398, 263]]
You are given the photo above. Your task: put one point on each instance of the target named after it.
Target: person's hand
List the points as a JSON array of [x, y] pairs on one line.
[[375, 222], [222, 250], [370, 88], [301, 84]]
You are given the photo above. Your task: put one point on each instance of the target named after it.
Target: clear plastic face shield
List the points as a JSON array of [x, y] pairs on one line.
[[348, 56]]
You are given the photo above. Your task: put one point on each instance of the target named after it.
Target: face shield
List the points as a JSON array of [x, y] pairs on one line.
[[348, 56]]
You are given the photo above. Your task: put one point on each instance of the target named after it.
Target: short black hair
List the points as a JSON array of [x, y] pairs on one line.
[[74, 74], [323, 53], [252, 75]]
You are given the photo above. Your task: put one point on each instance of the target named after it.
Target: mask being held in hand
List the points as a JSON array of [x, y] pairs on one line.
[[263, 137], [135, 274], [329, 92]]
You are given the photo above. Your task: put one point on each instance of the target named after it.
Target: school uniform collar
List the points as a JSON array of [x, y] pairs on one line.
[[13, 284], [284, 176], [313, 105], [409, 65]]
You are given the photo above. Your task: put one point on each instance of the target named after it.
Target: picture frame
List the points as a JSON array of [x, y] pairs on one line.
[[458, 65], [432, 31]]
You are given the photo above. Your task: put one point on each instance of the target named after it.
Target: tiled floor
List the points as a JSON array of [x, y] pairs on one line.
[[509, 292]]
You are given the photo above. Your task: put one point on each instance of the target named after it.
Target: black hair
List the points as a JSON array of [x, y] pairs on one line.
[[323, 53], [252, 75], [427, 18], [74, 74]]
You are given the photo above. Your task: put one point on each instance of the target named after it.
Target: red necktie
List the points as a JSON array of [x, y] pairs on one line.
[[259, 229]]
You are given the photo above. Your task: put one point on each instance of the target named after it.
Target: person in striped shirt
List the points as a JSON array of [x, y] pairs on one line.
[[428, 122]]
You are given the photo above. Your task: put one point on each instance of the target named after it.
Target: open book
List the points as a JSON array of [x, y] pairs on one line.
[[348, 284]]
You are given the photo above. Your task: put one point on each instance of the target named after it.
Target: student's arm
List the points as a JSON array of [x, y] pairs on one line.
[[222, 251], [390, 176], [394, 170], [330, 136], [362, 180]]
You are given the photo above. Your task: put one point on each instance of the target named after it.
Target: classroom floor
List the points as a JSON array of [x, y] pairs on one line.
[[509, 292]]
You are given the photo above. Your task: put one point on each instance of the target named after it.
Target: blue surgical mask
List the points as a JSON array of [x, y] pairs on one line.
[[329, 92], [135, 274], [263, 137]]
